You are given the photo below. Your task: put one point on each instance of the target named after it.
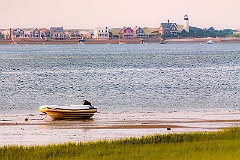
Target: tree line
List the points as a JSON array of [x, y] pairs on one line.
[[201, 33]]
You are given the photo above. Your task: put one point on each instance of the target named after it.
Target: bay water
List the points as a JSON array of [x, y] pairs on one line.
[[120, 78]]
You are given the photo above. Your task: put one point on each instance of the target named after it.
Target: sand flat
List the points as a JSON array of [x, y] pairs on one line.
[[43, 130]]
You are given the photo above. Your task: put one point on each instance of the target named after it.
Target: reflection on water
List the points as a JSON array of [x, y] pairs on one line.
[[120, 78]]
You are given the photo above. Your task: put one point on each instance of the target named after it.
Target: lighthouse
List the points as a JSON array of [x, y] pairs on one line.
[[186, 23]]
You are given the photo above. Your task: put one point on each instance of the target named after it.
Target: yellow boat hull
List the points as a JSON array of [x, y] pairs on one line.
[[61, 113]]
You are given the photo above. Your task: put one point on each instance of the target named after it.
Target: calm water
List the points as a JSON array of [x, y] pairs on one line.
[[120, 78]]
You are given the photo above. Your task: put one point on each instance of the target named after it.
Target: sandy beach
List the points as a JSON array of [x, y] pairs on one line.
[[42, 130]]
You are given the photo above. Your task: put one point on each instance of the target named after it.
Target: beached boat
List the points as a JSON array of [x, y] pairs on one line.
[[210, 42], [68, 112]]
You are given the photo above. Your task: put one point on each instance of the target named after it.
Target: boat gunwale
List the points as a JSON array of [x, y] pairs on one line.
[[72, 110]]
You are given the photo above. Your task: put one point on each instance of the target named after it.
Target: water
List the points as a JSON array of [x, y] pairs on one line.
[[120, 78]]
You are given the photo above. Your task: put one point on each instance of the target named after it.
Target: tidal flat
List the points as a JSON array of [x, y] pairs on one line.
[[43, 130], [223, 144]]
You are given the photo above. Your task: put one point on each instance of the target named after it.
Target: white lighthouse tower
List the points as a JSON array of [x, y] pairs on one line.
[[186, 23]]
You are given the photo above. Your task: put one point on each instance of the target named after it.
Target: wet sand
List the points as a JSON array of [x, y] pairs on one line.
[[42, 130]]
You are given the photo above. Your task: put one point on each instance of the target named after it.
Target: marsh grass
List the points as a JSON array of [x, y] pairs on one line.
[[195, 146]]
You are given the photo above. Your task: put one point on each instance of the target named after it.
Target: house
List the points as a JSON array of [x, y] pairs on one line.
[[101, 33], [45, 32], [139, 32], [89, 35], [32, 33], [86, 33], [168, 28], [18, 33], [6, 33], [73, 34], [35, 33], [25, 34], [126, 32], [57, 33]]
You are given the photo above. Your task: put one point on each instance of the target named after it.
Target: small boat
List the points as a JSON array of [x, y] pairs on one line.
[[68, 112], [210, 42]]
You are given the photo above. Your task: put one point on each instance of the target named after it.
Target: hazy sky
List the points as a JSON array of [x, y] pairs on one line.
[[118, 13]]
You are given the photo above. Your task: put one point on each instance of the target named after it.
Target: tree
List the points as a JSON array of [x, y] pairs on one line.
[[1, 35], [110, 35], [211, 29], [184, 32]]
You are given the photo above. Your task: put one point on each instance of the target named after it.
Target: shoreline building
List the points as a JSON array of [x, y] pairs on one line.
[[18, 33], [57, 33], [139, 32], [7, 33], [101, 33], [126, 32], [186, 23], [168, 28]]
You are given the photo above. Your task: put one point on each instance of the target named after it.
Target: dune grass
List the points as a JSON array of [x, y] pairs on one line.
[[195, 146]]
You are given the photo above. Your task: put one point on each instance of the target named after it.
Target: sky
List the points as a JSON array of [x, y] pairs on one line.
[[89, 14]]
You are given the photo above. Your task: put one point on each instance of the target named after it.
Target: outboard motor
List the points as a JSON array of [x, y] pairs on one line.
[[85, 102]]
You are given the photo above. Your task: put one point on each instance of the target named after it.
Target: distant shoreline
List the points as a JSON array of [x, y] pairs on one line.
[[125, 41]]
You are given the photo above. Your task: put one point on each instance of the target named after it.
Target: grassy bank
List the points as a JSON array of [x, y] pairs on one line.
[[208, 146]]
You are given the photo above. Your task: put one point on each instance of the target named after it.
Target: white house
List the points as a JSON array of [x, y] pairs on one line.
[[101, 33]]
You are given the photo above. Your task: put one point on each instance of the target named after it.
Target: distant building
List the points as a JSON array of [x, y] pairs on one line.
[[88, 34], [186, 23], [73, 34], [139, 32], [45, 32], [32, 33], [168, 28], [101, 33], [36, 33], [6, 33], [25, 34], [22, 34], [57, 33], [126, 32], [18, 33]]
